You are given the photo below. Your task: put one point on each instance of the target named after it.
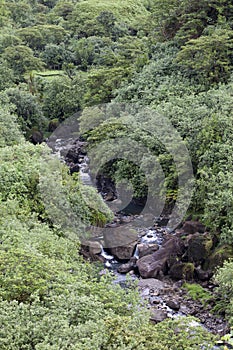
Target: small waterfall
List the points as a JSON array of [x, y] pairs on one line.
[[84, 172], [136, 253], [106, 255], [61, 148]]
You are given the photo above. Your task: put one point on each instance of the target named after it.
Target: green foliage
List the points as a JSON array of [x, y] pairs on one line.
[[9, 129], [185, 20], [101, 83], [7, 76], [197, 292], [55, 56], [27, 108], [20, 59], [96, 51], [24, 273], [107, 17], [224, 277], [21, 175], [159, 80], [209, 56], [8, 39], [4, 13], [62, 97], [62, 9], [20, 13]]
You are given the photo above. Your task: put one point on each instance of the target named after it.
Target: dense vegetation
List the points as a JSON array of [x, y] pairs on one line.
[[58, 57]]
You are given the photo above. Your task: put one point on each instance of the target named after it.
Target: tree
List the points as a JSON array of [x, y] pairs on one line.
[[7, 76], [20, 58], [28, 109], [209, 56], [32, 37], [101, 84], [21, 13], [62, 9], [62, 97], [55, 56], [7, 40], [10, 133], [107, 18], [93, 51]]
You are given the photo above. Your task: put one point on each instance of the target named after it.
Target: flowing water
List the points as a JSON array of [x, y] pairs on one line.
[[146, 235]]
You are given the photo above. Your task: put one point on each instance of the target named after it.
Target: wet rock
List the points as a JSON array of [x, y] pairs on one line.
[[95, 248], [150, 266], [158, 263], [185, 310], [154, 300], [190, 227], [73, 155], [173, 304], [181, 270], [126, 219], [121, 242], [158, 315], [123, 252], [151, 283], [125, 268], [146, 249], [74, 168], [106, 186], [92, 257], [199, 247]]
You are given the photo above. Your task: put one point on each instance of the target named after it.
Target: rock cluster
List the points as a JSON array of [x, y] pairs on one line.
[[167, 299]]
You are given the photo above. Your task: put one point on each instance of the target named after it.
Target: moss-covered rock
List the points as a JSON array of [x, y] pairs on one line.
[[181, 270], [219, 255], [199, 247]]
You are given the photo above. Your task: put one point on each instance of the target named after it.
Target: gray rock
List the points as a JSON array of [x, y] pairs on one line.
[[191, 227], [121, 242], [158, 315], [203, 275], [173, 304], [146, 249], [125, 268], [151, 283], [158, 263], [92, 247]]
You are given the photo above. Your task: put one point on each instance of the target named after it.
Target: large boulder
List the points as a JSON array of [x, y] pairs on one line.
[[159, 262], [121, 241], [190, 227], [146, 249], [199, 247]]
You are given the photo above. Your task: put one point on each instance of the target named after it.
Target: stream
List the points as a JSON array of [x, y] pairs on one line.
[[163, 296]]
